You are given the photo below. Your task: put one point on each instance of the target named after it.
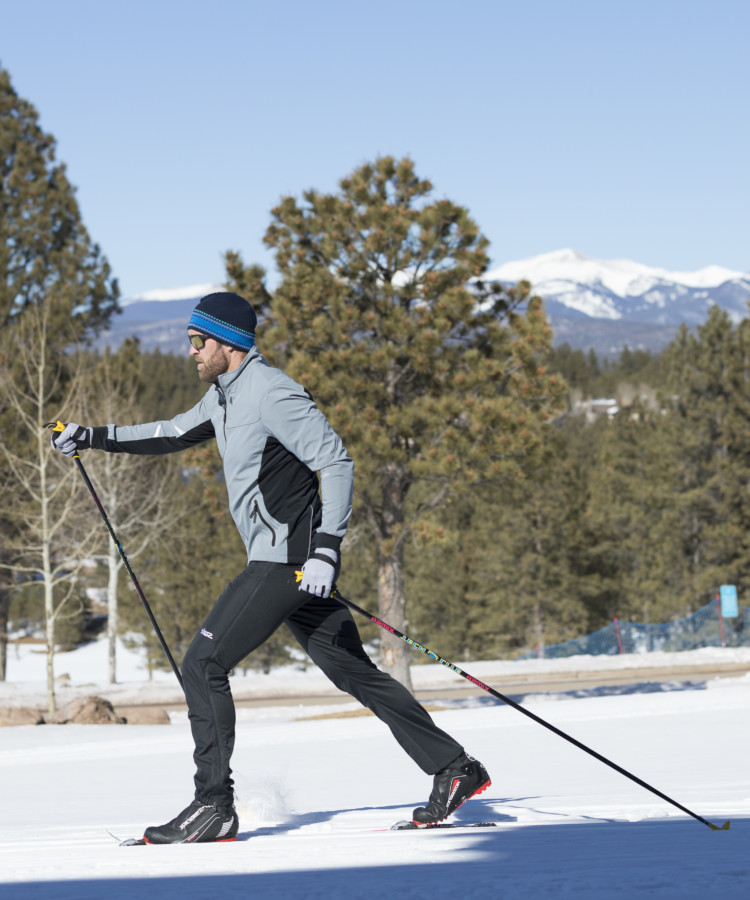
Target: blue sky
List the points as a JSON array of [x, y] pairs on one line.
[[620, 129]]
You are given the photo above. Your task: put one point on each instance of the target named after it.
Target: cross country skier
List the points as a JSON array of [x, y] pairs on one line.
[[273, 440]]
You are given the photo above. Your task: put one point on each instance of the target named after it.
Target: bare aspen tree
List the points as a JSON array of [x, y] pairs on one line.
[[140, 496], [51, 538]]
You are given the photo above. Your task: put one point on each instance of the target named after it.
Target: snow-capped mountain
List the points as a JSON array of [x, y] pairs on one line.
[[620, 289], [168, 295], [603, 305], [157, 318], [606, 305]]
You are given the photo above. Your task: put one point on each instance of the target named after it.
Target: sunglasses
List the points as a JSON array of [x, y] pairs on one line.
[[198, 340]]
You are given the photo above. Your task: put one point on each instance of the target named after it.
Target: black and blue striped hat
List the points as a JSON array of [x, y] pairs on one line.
[[227, 317]]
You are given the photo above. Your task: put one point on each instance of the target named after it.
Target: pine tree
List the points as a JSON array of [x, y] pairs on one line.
[[431, 377], [510, 571], [632, 518], [55, 288], [710, 404], [46, 254]]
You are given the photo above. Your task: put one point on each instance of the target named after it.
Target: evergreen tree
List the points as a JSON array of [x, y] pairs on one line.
[[46, 255], [513, 576], [55, 289], [169, 385], [709, 404], [632, 519], [431, 377]]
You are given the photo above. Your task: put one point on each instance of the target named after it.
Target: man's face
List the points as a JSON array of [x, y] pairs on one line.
[[212, 359]]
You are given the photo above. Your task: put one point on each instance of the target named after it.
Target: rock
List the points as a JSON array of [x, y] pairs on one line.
[[91, 711], [20, 715], [144, 715]]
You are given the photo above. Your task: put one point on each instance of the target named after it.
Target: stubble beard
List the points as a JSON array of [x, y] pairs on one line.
[[209, 370]]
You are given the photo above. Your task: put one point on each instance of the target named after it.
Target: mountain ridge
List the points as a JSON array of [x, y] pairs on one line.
[[592, 304]]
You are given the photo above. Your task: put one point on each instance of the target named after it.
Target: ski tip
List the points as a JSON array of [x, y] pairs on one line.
[[724, 827]]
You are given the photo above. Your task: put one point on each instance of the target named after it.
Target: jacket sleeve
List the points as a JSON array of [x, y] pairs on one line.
[[156, 438], [291, 416]]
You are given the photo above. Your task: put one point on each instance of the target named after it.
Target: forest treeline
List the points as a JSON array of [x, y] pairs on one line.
[[636, 511], [496, 509]]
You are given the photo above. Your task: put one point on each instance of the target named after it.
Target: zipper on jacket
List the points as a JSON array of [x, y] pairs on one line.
[[223, 405], [257, 514]]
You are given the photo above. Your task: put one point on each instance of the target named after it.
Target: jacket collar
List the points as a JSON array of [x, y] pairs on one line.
[[228, 379]]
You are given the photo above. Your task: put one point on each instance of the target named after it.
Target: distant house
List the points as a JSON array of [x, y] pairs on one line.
[[596, 407]]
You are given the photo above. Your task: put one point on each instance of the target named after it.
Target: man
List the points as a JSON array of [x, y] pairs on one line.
[[273, 440]]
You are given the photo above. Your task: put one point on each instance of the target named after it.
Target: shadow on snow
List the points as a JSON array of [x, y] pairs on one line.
[[664, 858]]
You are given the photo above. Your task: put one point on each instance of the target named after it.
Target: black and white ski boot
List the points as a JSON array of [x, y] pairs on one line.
[[198, 824], [455, 784]]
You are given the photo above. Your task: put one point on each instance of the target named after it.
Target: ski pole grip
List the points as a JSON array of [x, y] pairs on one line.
[[60, 426]]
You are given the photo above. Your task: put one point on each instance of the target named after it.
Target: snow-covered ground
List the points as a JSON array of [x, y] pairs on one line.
[[316, 795]]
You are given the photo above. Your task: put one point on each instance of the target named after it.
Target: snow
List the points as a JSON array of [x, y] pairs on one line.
[[180, 293], [623, 277], [316, 795], [620, 289]]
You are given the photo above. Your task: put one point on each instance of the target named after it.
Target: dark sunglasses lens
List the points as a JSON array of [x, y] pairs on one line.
[[198, 341]]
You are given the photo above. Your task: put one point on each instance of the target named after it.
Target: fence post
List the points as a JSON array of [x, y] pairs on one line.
[[721, 620], [617, 632]]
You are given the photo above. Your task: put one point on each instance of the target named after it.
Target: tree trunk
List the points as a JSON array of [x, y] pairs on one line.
[[46, 567], [4, 607], [49, 621], [539, 628], [392, 604], [113, 562]]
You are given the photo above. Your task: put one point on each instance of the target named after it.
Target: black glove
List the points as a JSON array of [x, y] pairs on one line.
[[319, 572], [72, 439]]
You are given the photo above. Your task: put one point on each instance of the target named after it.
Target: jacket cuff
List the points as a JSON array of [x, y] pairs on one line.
[[99, 437], [329, 541]]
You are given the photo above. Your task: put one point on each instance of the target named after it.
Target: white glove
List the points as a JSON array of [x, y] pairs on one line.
[[72, 439], [318, 573]]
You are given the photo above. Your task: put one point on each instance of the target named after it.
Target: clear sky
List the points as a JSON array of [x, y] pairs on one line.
[[619, 129]]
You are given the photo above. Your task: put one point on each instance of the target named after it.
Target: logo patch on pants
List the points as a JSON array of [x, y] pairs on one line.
[[207, 634]]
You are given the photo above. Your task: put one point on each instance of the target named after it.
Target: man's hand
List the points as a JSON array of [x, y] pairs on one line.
[[318, 572], [72, 439]]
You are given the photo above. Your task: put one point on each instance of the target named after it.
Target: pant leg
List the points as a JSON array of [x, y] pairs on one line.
[[248, 612], [326, 631]]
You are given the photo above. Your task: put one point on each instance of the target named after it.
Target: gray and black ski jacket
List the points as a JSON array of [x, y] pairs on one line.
[[273, 440]]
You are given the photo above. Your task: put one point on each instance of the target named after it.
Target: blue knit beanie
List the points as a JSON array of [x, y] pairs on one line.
[[227, 317]]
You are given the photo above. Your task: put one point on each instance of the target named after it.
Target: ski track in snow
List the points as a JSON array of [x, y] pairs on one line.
[[316, 797]]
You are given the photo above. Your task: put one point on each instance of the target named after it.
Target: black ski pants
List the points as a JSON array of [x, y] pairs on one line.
[[251, 608]]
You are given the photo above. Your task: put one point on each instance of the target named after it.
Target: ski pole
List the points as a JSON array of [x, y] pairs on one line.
[[475, 681], [59, 426]]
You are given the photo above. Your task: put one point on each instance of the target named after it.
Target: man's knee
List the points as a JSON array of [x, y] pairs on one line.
[[200, 665]]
